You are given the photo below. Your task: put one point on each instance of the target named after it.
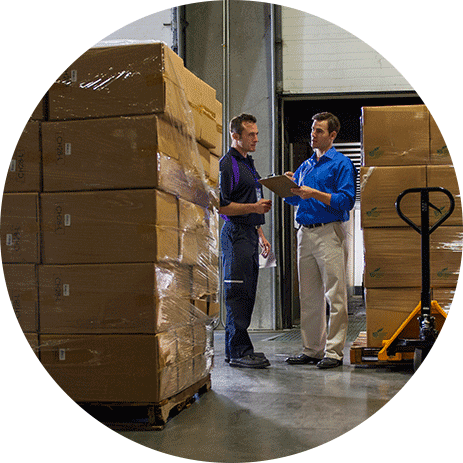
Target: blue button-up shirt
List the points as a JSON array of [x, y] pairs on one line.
[[334, 173]]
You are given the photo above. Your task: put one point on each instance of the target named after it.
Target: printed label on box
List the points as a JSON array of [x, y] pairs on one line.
[[66, 291]]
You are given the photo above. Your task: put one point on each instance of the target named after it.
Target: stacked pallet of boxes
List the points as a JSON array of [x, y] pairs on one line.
[[20, 232], [403, 148], [128, 226]]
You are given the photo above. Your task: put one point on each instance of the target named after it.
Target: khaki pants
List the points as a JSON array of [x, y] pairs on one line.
[[322, 262]]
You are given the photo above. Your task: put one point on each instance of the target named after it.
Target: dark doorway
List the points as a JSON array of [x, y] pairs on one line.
[[296, 116]]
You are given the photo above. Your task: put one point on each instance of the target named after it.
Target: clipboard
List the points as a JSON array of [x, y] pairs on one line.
[[279, 184]]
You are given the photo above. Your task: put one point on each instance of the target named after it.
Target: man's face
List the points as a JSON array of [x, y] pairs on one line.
[[247, 142], [321, 139]]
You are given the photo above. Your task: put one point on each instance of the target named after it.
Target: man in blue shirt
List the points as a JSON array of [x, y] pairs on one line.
[[242, 207], [324, 197]]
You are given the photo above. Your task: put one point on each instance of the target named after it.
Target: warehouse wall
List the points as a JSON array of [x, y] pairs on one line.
[[153, 27]]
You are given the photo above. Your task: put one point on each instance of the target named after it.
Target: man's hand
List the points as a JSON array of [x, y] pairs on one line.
[[263, 206], [305, 192], [264, 243], [290, 175]]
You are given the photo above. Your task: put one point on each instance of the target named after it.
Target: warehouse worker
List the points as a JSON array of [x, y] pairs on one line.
[[325, 195], [242, 207]]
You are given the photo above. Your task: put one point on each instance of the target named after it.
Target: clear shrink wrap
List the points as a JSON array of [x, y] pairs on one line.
[[393, 257], [127, 263], [380, 187], [123, 368]]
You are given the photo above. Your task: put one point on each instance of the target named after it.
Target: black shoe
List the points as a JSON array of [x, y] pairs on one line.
[[250, 361], [256, 354], [329, 362], [302, 359]]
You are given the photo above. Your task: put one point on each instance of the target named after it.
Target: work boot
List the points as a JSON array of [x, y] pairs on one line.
[[249, 361]]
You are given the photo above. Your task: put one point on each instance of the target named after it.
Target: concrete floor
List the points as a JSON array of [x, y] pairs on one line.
[[254, 415]]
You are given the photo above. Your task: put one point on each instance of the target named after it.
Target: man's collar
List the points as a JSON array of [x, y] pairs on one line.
[[238, 155], [329, 154]]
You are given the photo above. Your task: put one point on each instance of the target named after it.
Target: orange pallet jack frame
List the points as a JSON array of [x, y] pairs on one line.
[[406, 343], [417, 334]]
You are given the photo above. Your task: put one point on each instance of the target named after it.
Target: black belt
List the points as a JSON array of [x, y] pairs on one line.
[[315, 225]]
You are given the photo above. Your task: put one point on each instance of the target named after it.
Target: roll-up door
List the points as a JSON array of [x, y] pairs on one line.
[[320, 57]]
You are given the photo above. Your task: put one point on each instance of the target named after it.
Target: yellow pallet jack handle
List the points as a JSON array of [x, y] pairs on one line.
[[410, 330]]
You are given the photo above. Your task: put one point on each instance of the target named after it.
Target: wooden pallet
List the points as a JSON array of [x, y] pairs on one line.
[[145, 416], [361, 354]]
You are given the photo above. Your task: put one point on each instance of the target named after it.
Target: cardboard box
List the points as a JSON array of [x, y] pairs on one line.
[[393, 257], [438, 148], [182, 181], [395, 135], [444, 176], [113, 298], [40, 111], [202, 365], [21, 282], [206, 129], [20, 230], [204, 155], [33, 340], [387, 309], [206, 110], [380, 187], [217, 110], [214, 172], [194, 248], [444, 297], [114, 226], [112, 153], [213, 309], [24, 174], [192, 217], [446, 248], [109, 368], [120, 81], [199, 94], [200, 305]]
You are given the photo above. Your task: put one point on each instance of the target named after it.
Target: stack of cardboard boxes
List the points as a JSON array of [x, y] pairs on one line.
[[403, 148], [109, 230]]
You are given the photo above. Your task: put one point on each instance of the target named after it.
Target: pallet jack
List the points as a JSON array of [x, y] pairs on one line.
[[411, 337]]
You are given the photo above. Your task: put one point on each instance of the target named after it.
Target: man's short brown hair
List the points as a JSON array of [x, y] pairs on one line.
[[236, 124], [333, 122]]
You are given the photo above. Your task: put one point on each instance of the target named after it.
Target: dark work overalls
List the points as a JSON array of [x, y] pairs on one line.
[[240, 250]]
